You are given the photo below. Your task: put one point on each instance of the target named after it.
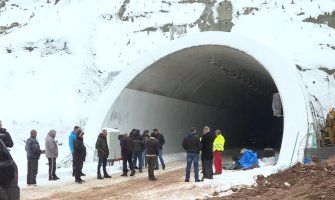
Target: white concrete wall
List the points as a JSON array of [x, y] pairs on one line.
[[172, 117], [283, 73]]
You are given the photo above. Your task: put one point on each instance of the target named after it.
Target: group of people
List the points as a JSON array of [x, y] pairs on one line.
[[34, 152], [210, 146], [143, 148]]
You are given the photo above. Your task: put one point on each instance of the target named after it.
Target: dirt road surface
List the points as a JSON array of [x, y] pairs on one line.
[[170, 185]]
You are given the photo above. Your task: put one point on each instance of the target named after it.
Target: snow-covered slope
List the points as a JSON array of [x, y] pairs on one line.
[[56, 60]]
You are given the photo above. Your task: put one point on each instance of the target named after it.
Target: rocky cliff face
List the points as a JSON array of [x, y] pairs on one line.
[[94, 41]]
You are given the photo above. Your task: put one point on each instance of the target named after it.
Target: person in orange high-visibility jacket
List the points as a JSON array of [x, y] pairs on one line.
[[218, 147]]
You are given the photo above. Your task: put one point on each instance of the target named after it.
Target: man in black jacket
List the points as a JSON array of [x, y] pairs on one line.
[[207, 140], [33, 155], [79, 156], [152, 149], [103, 152], [127, 154], [192, 145], [161, 140], [5, 136], [138, 149]]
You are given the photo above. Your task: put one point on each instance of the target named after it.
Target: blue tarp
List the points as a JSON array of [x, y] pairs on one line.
[[248, 159]]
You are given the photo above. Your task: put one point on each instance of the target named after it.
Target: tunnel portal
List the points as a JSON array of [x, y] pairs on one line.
[[217, 86], [214, 79]]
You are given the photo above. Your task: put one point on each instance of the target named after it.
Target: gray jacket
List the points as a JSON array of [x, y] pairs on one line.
[[51, 147]]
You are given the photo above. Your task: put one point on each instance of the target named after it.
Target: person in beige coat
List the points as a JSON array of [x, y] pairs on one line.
[[51, 152]]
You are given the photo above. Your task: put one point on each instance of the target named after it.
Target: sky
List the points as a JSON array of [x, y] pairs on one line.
[[61, 58]]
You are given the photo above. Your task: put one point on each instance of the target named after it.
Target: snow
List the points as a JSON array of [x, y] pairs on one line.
[[57, 84]]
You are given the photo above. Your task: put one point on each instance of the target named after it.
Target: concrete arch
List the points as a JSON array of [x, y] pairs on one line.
[[283, 74]]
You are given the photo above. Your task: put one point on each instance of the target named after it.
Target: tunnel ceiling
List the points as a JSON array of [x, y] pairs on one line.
[[216, 76]]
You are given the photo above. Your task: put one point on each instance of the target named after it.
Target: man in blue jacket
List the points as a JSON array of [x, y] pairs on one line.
[[72, 137]]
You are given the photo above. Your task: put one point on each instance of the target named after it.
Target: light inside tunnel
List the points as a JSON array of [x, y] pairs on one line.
[[216, 79]]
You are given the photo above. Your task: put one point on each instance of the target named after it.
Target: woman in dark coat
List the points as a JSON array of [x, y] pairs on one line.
[[79, 156]]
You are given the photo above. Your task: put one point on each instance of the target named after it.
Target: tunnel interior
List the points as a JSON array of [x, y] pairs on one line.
[[212, 85]]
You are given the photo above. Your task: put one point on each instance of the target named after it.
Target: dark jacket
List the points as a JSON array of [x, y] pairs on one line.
[[33, 149], [126, 147], [152, 147], [207, 146], [137, 141], [191, 143], [6, 138], [144, 138], [161, 140], [102, 146], [79, 153]]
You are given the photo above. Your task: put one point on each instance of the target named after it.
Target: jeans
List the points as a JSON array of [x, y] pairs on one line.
[[127, 158], [102, 162], [138, 156], [160, 156], [144, 159], [192, 157]]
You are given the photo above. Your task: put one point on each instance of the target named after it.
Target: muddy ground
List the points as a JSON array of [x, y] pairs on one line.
[[170, 185], [315, 181]]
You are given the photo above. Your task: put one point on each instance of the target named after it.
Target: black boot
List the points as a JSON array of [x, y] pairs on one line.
[[56, 177], [52, 178], [132, 172], [99, 176], [106, 175], [124, 174]]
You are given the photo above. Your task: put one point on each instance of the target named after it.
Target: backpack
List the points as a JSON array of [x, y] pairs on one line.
[[7, 164]]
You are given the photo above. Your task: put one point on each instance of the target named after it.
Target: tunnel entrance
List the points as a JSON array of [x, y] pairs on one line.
[[222, 80], [212, 85]]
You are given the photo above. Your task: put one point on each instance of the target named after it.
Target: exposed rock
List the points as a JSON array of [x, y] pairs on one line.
[[4, 29], [327, 18], [328, 71], [206, 21], [122, 9], [301, 69], [249, 10]]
